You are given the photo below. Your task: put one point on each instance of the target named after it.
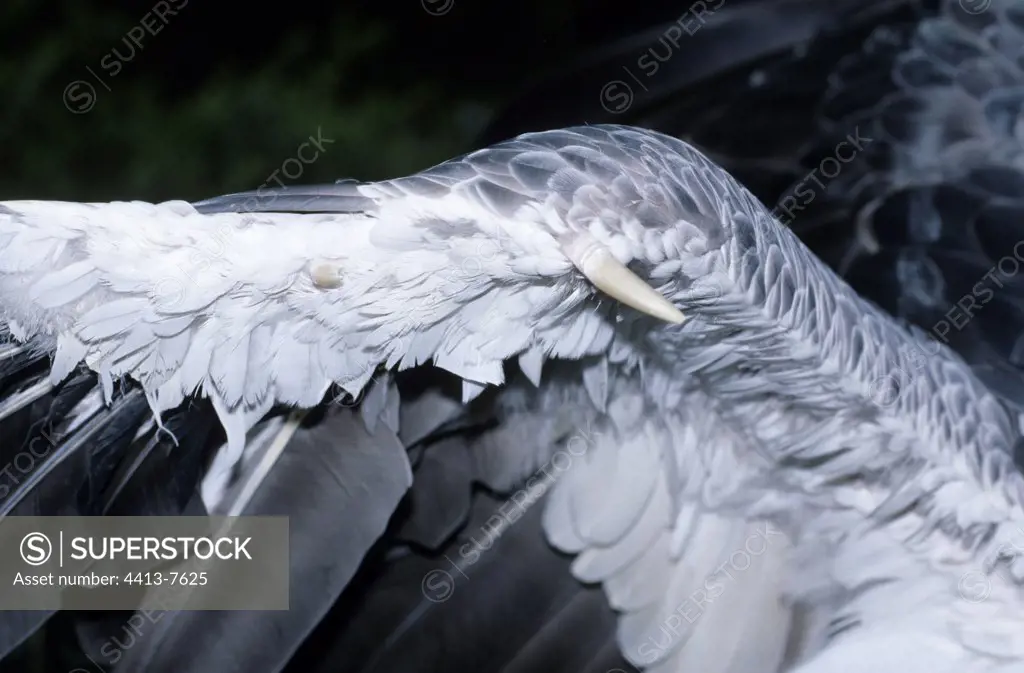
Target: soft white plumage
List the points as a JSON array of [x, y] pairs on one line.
[[784, 411]]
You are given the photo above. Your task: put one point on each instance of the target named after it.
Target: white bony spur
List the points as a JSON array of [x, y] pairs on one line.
[[612, 277]]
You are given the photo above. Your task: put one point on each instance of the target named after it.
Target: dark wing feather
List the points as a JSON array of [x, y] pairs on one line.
[[338, 484], [439, 500], [175, 456], [493, 596], [70, 478], [66, 452], [628, 77], [487, 601], [59, 450], [340, 197]]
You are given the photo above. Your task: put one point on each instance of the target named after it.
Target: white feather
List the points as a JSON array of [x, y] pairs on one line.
[[753, 410], [531, 361]]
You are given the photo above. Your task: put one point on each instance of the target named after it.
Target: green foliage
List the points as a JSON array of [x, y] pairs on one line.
[[147, 139]]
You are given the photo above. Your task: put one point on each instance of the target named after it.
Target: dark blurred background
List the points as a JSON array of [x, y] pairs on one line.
[[147, 99]]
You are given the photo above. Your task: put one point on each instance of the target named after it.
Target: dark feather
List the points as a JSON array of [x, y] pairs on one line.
[[160, 475], [340, 197], [338, 485], [70, 476], [67, 453], [495, 598], [63, 474], [18, 625], [439, 499], [631, 75]]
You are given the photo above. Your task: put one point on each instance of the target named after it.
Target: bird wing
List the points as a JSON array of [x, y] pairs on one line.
[[466, 265], [169, 319], [919, 221], [180, 302], [929, 214], [696, 584], [934, 205], [314, 484]]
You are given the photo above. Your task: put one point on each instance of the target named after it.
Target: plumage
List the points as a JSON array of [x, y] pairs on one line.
[[801, 476], [393, 629], [312, 487]]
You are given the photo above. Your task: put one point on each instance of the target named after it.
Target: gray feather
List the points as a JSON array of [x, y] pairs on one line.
[[327, 473]]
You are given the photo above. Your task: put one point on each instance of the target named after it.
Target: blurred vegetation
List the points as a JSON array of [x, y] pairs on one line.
[[162, 133], [218, 96]]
